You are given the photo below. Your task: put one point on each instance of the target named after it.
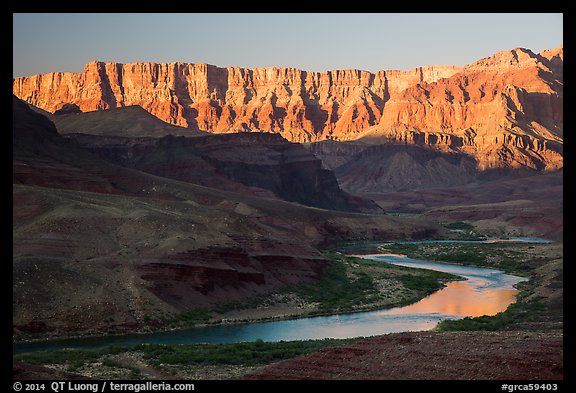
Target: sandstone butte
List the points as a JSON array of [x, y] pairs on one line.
[[505, 110]]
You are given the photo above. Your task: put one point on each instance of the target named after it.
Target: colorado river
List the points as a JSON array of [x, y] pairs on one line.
[[484, 292]]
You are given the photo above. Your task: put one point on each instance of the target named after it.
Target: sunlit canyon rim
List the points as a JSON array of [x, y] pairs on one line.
[[503, 111]]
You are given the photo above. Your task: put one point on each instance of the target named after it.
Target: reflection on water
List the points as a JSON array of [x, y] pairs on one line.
[[484, 292], [463, 299]]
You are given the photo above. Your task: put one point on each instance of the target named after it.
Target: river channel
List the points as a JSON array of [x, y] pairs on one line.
[[484, 292]]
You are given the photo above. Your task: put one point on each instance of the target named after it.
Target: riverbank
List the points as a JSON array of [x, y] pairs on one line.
[[348, 285], [509, 355], [339, 290], [518, 258], [349, 289], [543, 325], [151, 361], [539, 301]]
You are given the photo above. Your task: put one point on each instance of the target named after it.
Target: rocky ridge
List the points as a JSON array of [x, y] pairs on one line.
[[504, 110], [300, 105]]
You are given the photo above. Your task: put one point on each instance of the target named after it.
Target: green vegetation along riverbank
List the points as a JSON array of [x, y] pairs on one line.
[[186, 361], [347, 284], [539, 301]]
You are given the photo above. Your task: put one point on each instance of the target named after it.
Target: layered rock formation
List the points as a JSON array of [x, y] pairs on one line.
[[504, 110], [301, 106]]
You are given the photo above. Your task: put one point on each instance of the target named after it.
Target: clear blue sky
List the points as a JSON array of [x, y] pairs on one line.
[[313, 42]]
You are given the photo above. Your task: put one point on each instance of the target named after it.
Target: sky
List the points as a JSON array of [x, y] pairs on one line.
[[313, 42]]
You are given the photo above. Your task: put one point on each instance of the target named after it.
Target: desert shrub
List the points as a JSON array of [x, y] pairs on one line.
[[245, 353], [459, 225], [516, 313], [191, 317]]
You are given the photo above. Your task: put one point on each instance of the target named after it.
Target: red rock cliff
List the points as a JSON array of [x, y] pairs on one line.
[[512, 100], [505, 110], [301, 106]]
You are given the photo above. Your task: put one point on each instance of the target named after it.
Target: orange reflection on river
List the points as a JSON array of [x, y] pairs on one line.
[[462, 298]]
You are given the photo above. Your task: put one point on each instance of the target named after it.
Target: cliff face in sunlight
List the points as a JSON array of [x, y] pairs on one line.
[[299, 105], [504, 110]]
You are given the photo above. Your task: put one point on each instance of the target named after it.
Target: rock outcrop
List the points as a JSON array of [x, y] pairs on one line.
[[128, 121], [384, 168], [505, 110]]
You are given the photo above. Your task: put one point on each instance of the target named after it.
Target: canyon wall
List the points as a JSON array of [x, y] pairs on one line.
[[512, 100], [505, 111], [299, 105]]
